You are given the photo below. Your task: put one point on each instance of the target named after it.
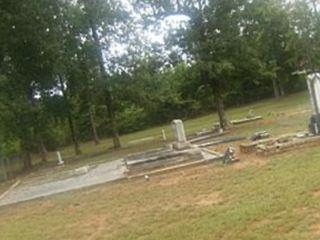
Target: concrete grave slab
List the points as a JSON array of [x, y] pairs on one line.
[[66, 181]]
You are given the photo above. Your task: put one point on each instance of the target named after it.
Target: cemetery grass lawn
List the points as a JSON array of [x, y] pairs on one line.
[[258, 198]]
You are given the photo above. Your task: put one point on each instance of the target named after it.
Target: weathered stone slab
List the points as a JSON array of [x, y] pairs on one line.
[[245, 120], [207, 156], [207, 137], [149, 153], [282, 147], [251, 147], [265, 143], [36, 188], [221, 141], [259, 136], [163, 159]]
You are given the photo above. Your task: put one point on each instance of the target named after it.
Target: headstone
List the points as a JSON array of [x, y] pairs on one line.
[[251, 114], [60, 161], [313, 81], [180, 140], [164, 136]]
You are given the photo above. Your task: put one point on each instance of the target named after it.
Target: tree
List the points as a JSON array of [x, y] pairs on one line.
[[269, 30], [24, 72], [64, 32], [103, 18], [306, 19], [212, 38]]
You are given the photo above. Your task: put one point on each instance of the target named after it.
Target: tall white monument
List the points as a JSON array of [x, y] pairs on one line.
[[313, 81], [180, 140], [60, 161]]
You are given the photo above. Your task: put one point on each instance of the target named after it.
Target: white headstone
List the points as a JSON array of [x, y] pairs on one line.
[[164, 136], [180, 140], [178, 131], [313, 81], [60, 161]]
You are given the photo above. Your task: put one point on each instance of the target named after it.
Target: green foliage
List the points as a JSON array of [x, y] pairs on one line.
[[132, 119]]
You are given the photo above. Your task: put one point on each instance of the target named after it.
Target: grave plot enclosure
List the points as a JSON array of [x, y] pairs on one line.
[[180, 153]]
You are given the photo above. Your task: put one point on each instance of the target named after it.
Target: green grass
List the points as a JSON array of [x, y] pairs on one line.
[[257, 199], [278, 199]]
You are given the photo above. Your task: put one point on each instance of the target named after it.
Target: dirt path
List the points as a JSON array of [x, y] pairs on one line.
[[32, 188]]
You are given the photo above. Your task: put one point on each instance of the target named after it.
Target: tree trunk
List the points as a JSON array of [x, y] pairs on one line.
[[218, 101], [275, 88], [114, 128], [221, 113], [73, 135], [25, 152], [94, 128], [70, 119], [27, 163], [282, 92], [43, 151], [109, 99]]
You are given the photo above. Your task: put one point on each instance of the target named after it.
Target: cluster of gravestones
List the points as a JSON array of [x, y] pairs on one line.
[[261, 144], [181, 153]]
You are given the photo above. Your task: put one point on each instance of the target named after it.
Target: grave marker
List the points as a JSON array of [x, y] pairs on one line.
[[180, 139], [313, 81], [60, 161]]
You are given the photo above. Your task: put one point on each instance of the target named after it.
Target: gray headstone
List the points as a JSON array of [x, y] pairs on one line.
[[180, 140]]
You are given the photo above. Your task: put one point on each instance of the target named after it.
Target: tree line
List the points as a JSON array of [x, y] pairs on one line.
[[73, 71]]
